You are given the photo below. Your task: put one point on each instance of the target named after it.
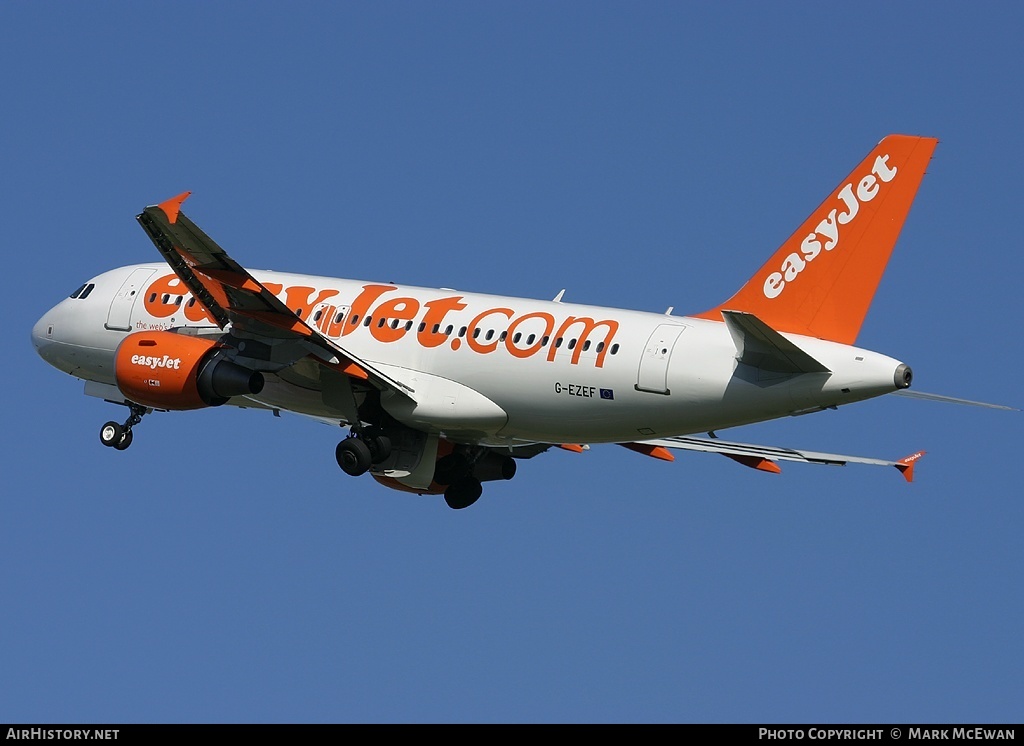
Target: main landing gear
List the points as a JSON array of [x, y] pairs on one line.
[[459, 473], [118, 436], [361, 450], [454, 472]]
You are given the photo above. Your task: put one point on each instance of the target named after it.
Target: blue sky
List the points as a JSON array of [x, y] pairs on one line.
[[640, 155]]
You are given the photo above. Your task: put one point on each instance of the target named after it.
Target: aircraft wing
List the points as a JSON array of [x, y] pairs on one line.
[[235, 297], [763, 458]]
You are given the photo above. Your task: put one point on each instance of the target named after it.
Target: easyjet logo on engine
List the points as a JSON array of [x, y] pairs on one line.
[[147, 361], [389, 318], [827, 233]]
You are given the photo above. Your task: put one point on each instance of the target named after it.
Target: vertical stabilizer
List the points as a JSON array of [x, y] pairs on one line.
[[822, 279]]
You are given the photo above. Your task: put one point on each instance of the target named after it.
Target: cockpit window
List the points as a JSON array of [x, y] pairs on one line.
[[83, 292]]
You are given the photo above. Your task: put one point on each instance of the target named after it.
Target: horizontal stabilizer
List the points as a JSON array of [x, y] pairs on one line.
[[951, 400], [760, 346]]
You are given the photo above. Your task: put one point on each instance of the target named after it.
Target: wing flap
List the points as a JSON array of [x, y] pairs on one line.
[[763, 457]]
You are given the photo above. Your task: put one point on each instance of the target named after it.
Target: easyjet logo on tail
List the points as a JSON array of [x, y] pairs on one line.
[[827, 233]]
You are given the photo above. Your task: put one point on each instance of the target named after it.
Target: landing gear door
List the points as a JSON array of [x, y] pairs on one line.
[[412, 460], [119, 317], [653, 373]]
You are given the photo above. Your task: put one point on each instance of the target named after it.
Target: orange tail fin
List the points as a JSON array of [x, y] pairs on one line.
[[822, 279]]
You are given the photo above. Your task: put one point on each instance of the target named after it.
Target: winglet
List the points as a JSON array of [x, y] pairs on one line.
[[574, 447], [172, 207], [906, 465]]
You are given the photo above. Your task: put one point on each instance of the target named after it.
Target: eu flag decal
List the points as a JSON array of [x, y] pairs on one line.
[[607, 394]]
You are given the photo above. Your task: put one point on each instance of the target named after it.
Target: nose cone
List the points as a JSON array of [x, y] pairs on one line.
[[42, 336]]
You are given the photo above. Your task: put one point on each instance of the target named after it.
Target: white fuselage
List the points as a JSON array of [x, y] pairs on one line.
[[497, 370]]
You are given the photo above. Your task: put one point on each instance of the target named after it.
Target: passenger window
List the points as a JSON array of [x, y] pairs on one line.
[[572, 343], [615, 348]]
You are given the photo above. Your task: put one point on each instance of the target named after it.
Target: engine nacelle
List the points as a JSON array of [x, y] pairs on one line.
[[494, 466], [173, 371]]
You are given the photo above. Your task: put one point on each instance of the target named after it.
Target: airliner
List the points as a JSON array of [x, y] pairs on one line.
[[442, 390]]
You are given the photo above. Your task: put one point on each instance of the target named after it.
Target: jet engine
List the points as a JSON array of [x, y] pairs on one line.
[[165, 370]]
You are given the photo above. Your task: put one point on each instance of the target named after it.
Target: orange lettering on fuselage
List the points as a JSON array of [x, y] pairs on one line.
[[392, 318], [162, 300], [361, 305], [400, 310], [434, 319], [588, 326], [511, 341], [297, 299], [474, 325]]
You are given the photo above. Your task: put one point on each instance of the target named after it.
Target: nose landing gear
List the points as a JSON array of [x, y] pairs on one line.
[[118, 436]]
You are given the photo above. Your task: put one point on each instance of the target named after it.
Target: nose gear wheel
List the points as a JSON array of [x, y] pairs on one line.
[[119, 436]]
